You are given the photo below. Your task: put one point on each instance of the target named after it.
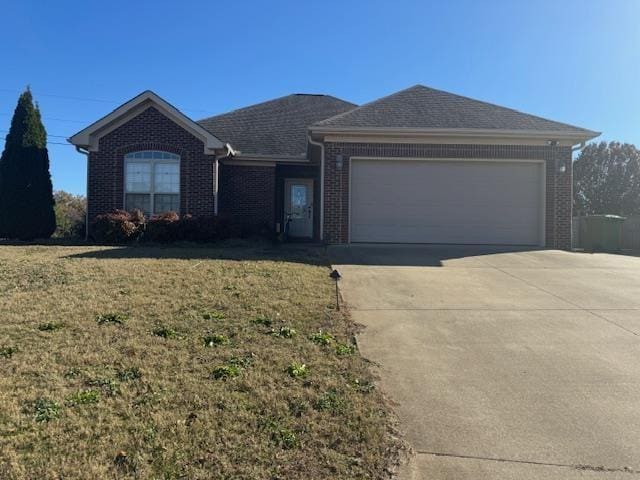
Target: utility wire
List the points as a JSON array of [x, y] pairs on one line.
[[88, 99], [48, 134], [6, 114]]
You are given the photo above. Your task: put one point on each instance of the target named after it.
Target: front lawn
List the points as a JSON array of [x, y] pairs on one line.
[[194, 363]]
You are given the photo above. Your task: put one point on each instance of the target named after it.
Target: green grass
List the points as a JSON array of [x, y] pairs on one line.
[[171, 363]]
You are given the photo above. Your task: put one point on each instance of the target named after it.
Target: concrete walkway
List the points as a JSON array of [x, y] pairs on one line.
[[504, 364]]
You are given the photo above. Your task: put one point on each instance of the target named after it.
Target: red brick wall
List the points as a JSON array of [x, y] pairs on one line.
[[248, 194], [150, 130], [558, 185]]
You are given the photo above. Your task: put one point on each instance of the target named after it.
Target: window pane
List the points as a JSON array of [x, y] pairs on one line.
[[147, 154], [138, 201], [167, 177], [298, 195], [166, 203], [138, 177]]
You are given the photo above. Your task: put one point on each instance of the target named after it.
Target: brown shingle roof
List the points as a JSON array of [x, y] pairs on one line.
[[275, 127], [422, 107]]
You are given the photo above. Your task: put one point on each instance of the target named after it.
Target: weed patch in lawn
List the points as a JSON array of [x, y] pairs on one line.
[[331, 401], [214, 316], [344, 349], [7, 352], [215, 339], [260, 320], [363, 386], [84, 397], [108, 386], [298, 370], [45, 410], [223, 372], [129, 374], [167, 332], [321, 338], [115, 318], [285, 438], [51, 326], [284, 332]]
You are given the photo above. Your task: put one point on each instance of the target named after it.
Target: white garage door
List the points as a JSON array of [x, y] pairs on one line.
[[458, 202]]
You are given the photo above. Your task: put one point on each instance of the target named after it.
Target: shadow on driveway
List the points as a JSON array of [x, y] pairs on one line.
[[402, 255]]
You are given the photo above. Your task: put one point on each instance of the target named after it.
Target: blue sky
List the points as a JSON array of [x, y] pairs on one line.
[[576, 61]]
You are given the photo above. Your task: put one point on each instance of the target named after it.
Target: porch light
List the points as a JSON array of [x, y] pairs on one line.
[[335, 275]]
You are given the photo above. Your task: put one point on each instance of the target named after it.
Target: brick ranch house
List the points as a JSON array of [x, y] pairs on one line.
[[418, 166]]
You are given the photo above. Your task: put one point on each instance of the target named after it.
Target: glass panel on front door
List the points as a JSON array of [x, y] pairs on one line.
[[298, 201], [299, 208]]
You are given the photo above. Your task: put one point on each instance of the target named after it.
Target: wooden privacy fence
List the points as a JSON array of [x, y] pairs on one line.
[[630, 232]]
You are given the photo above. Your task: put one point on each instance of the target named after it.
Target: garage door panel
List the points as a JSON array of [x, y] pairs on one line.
[[446, 202]]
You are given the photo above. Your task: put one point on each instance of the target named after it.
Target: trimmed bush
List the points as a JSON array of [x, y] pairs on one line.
[[118, 226], [164, 228], [208, 229]]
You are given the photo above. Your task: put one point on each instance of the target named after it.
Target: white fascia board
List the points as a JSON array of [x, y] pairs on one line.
[[88, 137], [455, 133], [271, 158]]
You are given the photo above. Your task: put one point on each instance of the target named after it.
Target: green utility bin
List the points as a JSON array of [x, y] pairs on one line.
[[603, 233]]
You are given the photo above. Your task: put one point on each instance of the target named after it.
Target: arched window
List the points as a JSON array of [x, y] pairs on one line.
[[152, 182]]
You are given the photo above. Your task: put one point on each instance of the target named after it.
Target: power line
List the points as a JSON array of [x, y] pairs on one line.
[[48, 134], [89, 99], [6, 114]]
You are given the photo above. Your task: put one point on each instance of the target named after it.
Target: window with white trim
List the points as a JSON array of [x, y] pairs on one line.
[[152, 182]]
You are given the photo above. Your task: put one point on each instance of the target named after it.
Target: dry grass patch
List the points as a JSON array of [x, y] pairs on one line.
[[176, 363]]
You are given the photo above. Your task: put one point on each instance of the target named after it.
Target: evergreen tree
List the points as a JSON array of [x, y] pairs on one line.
[[26, 193]]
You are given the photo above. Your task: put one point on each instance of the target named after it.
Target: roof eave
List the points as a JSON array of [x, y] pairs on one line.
[[88, 137], [578, 136]]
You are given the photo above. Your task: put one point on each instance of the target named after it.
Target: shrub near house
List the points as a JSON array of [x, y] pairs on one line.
[[71, 211], [122, 227]]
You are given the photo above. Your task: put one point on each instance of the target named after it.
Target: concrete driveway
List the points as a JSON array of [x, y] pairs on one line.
[[504, 364]]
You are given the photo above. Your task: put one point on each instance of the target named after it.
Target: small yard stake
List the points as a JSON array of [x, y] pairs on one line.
[[335, 274]]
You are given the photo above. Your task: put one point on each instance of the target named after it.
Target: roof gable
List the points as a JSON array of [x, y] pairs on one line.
[[88, 137], [276, 127], [422, 108]]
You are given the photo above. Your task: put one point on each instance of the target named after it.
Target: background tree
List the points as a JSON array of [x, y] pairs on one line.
[[71, 213], [26, 193], [607, 179]]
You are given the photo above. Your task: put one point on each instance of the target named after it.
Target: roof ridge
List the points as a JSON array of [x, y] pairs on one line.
[[341, 118], [358, 107], [235, 110], [273, 100]]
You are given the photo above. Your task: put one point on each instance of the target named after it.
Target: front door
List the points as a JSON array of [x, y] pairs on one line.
[[298, 207]]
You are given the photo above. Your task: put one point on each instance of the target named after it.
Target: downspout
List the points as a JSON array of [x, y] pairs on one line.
[[574, 149], [321, 145], [86, 214], [230, 153], [579, 147]]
